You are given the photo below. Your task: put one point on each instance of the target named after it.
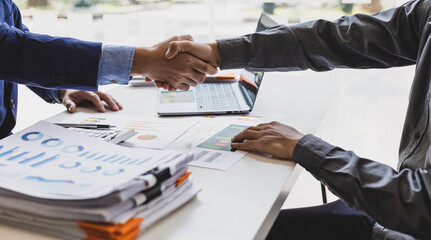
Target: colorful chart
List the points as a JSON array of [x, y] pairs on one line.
[[147, 137], [93, 120], [221, 141], [145, 126]]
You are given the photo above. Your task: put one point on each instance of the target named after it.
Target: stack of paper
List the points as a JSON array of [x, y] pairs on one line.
[[65, 184]]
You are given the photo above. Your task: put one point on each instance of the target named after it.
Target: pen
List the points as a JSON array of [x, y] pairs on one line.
[[86, 126]]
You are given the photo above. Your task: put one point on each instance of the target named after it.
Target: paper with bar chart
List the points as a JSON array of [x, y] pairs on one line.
[[210, 138], [155, 133], [49, 161]]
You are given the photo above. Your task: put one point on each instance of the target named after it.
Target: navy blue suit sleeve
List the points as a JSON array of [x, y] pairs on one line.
[[46, 61]]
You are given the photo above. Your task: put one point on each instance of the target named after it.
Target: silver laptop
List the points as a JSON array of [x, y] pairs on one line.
[[216, 96]]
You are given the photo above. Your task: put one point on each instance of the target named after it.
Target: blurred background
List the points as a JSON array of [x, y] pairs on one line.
[[369, 110], [144, 22]]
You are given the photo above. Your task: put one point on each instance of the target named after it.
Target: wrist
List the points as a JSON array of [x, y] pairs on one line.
[[61, 94], [216, 53], [140, 61]]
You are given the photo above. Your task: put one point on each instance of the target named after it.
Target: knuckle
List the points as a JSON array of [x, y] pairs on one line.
[[188, 59], [173, 44], [197, 79]]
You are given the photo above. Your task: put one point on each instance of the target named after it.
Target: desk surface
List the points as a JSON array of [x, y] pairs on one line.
[[243, 202]]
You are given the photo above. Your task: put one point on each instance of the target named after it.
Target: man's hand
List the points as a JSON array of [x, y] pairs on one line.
[[71, 98], [208, 52], [180, 72], [273, 138]]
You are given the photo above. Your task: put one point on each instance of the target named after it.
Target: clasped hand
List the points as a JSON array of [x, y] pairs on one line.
[[178, 62], [180, 70]]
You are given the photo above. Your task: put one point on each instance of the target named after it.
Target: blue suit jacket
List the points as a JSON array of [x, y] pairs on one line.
[[41, 62]]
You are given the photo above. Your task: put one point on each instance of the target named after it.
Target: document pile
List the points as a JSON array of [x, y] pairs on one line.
[[65, 184]]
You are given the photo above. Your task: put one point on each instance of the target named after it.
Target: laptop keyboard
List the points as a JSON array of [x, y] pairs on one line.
[[216, 96]]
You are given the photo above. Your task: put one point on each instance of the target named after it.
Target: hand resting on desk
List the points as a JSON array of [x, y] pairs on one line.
[[71, 98], [273, 138]]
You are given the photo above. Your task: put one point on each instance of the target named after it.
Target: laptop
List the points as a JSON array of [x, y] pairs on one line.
[[215, 96]]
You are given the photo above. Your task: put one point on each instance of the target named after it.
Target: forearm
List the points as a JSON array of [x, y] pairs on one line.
[[48, 62], [387, 39], [371, 187]]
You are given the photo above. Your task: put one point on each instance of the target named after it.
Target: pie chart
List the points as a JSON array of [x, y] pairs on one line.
[[147, 137]]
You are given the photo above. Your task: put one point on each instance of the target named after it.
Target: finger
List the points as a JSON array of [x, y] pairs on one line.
[[158, 84], [109, 100], [172, 50], [268, 124], [182, 86], [165, 86], [185, 82], [119, 105], [254, 128], [177, 47], [69, 104], [186, 37], [95, 99], [196, 78], [147, 79], [246, 135], [203, 67], [250, 145]]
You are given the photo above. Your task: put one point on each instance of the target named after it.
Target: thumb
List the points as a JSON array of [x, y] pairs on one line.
[[176, 47], [70, 105], [172, 50]]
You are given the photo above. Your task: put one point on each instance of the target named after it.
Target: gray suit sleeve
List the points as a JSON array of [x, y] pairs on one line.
[[400, 201], [397, 200], [386, 39]]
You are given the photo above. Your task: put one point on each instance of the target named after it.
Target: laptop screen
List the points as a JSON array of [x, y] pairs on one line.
[[250, 81]]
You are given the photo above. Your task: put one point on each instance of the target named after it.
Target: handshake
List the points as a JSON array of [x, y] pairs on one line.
[[176, 63]]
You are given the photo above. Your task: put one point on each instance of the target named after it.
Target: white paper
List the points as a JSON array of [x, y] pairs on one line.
[[208, 128], [49, 161], [155, 133]]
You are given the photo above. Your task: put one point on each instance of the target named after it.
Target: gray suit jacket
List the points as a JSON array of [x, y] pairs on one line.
[[399, 200]]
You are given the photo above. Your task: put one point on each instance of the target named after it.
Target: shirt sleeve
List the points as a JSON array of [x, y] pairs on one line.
[[48, 95], [386, 39], [397, 200], [115, 64]]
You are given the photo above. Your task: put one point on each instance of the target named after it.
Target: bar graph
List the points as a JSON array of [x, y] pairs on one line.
[[221, 140]]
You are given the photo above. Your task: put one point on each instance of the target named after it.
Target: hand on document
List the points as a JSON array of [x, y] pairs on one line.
[[273, 138]]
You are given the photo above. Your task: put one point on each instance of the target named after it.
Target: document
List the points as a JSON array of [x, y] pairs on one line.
[[210, 138], [155, 133], [49, 161]]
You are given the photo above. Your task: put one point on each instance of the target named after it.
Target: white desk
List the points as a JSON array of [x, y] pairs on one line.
[[243, 202]]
